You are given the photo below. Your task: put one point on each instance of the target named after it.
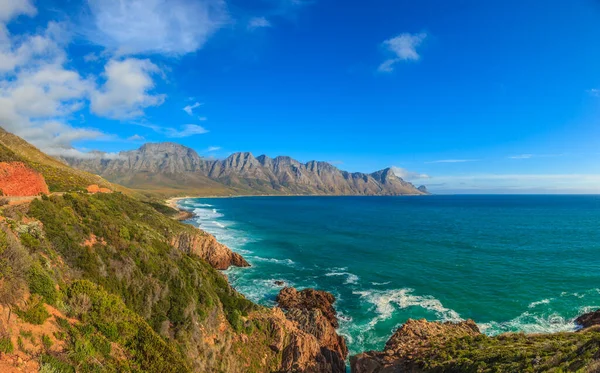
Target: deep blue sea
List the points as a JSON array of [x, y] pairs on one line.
[[511, 263]]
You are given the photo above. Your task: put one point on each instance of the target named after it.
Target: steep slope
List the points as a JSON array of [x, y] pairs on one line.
[[174, 168], [58, 176]]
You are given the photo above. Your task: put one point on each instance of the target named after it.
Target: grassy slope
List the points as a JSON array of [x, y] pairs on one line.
[[161, 309], [59, 177]]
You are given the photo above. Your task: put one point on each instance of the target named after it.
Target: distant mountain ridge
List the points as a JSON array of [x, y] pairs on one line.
[[176, 168]]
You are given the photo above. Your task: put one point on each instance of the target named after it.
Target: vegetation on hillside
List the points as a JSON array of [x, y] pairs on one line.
[[141, 305]]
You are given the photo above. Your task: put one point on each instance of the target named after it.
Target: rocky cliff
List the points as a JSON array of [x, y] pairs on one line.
[[208, 248], [16, 179], [177, 168], [318, 347]]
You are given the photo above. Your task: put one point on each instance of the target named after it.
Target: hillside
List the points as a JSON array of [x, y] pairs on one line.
[[109, 283], [174, 169], [58, 176]]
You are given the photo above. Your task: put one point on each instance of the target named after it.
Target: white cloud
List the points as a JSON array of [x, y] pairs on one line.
[[258, 22], [127, 90], [453, 161], [190, 108], [173, 27], [404, 48], [213, 148], [185, 130], [407, 175], [202, 119], [521, 156], [594, 92], [12, 8], [136, 137], [38, 94]]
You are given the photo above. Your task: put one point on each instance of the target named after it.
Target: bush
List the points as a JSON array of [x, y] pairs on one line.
[[34, 311], [46, 341], [6, 345], [4, 201], [40, 283]]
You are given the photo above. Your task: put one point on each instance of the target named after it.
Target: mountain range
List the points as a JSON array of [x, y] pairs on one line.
[[172, 168]]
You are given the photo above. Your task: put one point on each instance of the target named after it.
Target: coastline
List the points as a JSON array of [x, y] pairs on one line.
[[182, 214]]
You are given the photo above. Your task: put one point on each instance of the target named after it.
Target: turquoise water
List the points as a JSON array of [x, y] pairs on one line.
[[511, 263]]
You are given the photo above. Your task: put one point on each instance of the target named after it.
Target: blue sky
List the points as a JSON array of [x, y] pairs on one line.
[[462, 96]]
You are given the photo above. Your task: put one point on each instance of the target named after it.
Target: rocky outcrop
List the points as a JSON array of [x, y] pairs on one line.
[[93, 189], [315, 346], [413, 340], [588, 319], [289, 299], [423, 189], [175, 166], [208, 248], [18, 180]]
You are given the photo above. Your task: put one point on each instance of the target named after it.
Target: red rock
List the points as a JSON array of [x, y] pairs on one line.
[[19, 180]]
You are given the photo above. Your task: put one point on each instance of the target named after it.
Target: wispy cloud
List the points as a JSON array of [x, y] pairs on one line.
[[403, 48], [594, 92], [453, 161], [258, 22], [213, 148], [521, 156], [174, 27], [186, 130], [407, 175], [190, 108], [518, 183]]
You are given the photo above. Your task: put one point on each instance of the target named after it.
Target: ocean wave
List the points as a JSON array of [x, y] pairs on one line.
[[381, 283], [540, 302], [385, 302], [530, 323], [351, 278], [287, 262]]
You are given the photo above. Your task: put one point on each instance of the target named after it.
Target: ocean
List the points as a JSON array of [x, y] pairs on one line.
[[510, 263]]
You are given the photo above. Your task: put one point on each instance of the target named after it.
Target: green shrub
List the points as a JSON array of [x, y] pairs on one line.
[[40, 283], [29, 241], [51, 364], [46, 342], [34, 311], [6, 345]]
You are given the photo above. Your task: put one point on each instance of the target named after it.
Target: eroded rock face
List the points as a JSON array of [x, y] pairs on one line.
[[208, 248], [16, 179], [588, 319], [412, 340], [315, 346], [307, 299]]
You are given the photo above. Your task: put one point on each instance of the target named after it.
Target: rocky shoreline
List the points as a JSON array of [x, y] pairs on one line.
[[305, 332]]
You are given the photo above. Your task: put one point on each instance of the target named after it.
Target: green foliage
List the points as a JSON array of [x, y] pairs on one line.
[[109, 318], [41, 283], [34, 311], [51, 364], [14, 262], [29, 241], [559, 352], [6, 345], [46, 342], [168, 290]]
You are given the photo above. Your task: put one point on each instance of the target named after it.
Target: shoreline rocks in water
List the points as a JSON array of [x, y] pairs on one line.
[[588, 319], [312, 313]]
